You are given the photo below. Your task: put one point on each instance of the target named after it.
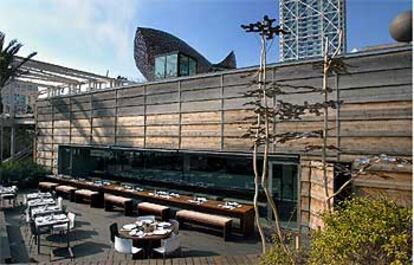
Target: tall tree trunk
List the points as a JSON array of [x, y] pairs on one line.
[[255, 168], [265, 175], [327, 202]]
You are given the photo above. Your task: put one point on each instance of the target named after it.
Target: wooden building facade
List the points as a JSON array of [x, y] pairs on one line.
[[205, 113]]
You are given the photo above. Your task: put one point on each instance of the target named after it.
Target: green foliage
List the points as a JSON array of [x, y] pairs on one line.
[[24, 173], [364, 231], [276, 255]]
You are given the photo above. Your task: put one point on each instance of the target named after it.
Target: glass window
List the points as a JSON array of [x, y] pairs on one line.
[[192, 67], [183, 65], [160, 67], [171, 65]]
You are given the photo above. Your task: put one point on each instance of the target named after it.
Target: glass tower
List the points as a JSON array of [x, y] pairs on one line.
[[309, 22]]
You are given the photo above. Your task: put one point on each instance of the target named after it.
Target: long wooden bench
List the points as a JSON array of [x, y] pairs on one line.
[[187, 216], [113, 200], [66, 191], [45, 186], [5, 253], [88, 195], [148, 208]]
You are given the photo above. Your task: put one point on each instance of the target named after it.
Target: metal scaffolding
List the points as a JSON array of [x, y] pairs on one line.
[[308, 23]]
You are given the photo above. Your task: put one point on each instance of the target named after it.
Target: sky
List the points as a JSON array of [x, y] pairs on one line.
[[98, 35]]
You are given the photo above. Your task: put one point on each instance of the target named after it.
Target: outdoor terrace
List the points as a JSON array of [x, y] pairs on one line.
[[90, 240]]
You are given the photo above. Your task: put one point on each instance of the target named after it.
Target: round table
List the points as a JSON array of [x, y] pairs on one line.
[[147, 241]]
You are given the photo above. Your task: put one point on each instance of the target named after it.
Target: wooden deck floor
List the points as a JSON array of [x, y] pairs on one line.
[[251, 259]]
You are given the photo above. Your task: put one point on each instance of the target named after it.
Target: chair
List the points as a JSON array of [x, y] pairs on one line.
[[146, 217], [60, 203], [27, 219], [169, 245], [24, 199], [35, 232], [113, 229], [63, 228], [124, 246], [175, 226]]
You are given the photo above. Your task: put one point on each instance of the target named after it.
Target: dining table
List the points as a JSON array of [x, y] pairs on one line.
[[243, 212], [38, 195], [44, 210], [7, 190], [146, 233], [46, 222], [41, 202]]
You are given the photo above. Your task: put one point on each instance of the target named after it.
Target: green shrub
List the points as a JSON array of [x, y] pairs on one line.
[[364, 231], [23, 173], [276, 255]]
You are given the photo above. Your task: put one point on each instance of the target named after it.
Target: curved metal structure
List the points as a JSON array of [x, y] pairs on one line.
[[151, 42]]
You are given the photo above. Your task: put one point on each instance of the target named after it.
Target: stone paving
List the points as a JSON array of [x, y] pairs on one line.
[[91, 245]]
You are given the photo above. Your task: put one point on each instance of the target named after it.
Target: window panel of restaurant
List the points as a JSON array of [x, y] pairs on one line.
[[224, 175]]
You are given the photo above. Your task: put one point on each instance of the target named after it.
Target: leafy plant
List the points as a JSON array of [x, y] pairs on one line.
[[23, 173], [277, 256], [364, 230]]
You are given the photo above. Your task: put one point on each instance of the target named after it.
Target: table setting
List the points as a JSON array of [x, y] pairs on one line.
[[147, 229], [38, 195], [198, 200], [40, 202], [8, 190], [51, 219], [164, 194], [45, 209], [230, 205]]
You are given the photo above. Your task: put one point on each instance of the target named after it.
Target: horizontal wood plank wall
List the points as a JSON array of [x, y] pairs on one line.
[[312, 194], [207, 112]]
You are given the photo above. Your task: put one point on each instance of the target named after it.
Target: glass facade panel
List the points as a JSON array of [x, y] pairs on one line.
[[64, 160], [160, 67], [229, 176], [192, 67], [183, 65], [171, 70], [173, 65]]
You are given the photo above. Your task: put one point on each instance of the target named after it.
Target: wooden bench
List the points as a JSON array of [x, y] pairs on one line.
[[66, 191], [5, 253], [88, 195], [45, 186], [113, 200], [206, 219], [148, 208]]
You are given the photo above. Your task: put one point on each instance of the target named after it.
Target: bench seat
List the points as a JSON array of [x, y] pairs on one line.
[[113, 200], [222, 222], [87, 195], [47, 186], [148, 208], [66, 191]]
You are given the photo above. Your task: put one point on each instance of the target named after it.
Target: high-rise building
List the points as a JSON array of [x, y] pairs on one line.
[[309, 23]]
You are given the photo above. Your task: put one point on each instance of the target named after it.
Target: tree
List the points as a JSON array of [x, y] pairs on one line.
[[259, 131], [10, 68], [10, 65]]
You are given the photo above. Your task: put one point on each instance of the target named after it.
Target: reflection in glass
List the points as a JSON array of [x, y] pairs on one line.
[[171, 70], [183, 65], [160, 67], [192, 67]]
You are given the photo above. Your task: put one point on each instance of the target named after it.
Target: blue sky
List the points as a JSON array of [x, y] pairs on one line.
[[97, 35]]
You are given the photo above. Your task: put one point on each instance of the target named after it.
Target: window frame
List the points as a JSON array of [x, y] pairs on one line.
[[178, 64]]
